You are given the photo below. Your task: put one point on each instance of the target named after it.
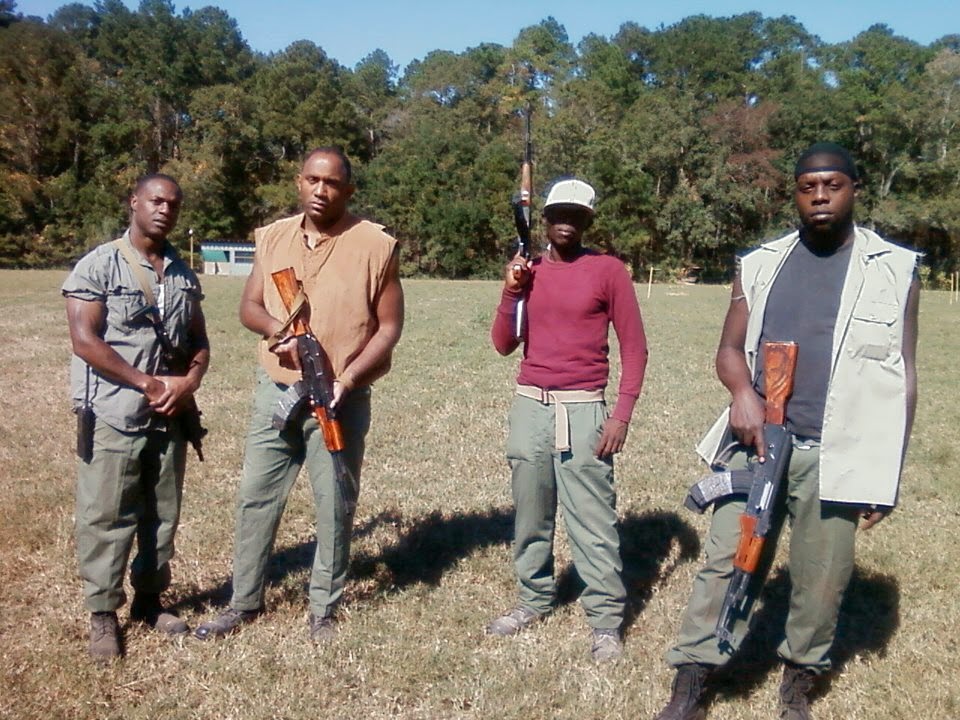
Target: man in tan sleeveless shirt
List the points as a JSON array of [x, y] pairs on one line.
[[350, 272]]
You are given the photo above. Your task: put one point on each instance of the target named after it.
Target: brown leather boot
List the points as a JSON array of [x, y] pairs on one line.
[[685, 702], [795, 692], [104, 637]]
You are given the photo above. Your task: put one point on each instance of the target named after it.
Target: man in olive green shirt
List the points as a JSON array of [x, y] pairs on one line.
[[130, 483]]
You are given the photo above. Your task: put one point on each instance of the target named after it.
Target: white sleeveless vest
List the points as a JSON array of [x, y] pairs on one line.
[[864, 420]]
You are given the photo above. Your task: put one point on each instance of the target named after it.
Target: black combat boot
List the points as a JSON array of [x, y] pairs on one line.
[[795, 692], [685, 703]]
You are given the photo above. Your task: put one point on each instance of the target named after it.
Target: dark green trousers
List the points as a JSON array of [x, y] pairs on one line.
[[131, 488]]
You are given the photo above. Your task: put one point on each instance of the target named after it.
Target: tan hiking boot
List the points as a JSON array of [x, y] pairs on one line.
[[795, 692], [225, 623], [513, 621], [322, 629], [149, 610], [686, 699], [606, 645], [104, 637]]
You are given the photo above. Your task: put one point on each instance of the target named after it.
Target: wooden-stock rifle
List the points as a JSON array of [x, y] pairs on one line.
[[316, 384], [763, 482]]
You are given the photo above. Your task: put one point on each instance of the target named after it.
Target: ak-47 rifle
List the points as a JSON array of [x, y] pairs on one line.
[[315, 386], [521, 218], [763, 482]]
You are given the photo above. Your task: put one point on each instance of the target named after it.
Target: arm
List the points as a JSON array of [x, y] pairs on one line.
[[628, 325], [746, 407], [872, 516], [374, 360], [86, 319], [502, 333]]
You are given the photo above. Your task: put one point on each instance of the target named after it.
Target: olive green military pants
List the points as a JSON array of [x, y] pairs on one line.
[[820, 561], [272, 460], [584, 487], [131, 488]]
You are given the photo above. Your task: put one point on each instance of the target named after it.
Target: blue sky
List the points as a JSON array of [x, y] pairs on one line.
[[348, 31]]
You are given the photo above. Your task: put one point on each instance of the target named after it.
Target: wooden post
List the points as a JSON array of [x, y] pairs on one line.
[[649, 283]]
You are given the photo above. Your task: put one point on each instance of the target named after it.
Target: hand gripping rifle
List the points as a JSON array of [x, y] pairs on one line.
[[763, 483], [176, 362], [521, 218], [315, 386]]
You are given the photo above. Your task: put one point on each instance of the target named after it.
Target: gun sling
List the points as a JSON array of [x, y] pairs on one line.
[[560, 398], [299, 300]]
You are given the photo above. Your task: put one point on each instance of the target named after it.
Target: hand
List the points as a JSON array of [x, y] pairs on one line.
[[176, 389], [518, 272], [153, 389], [339, 390], [612, 438], [286, 352], [871, 516], [746, 421]]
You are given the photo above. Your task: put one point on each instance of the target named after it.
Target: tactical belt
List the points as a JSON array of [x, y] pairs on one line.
[[560, 398]]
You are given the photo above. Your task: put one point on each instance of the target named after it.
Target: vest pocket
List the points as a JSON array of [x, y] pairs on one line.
[[872, 330]]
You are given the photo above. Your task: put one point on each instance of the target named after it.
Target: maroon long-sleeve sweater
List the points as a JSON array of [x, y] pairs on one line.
[[569, 310]]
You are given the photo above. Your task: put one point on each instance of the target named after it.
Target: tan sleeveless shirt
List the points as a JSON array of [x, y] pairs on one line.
[[342, 277]]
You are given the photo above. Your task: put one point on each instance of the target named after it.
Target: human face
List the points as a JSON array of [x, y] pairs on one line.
[[825, 201], [566, 225], [324, 190], [155, 208]]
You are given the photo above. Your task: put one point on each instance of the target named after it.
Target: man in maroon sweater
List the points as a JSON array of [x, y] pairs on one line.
[[562, 437]]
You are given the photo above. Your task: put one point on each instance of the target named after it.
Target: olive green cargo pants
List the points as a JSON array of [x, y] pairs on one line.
[[131, 488], [272, 461], [820, 560], [583, 484]]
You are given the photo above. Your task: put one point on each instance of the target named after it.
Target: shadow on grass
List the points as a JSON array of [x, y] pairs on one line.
[[869, 617], [428, 546]]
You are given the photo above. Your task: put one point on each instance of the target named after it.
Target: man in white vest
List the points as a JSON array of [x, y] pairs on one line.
[[849, 300]]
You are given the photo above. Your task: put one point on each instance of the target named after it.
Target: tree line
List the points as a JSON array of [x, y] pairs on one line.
[[688, 132]]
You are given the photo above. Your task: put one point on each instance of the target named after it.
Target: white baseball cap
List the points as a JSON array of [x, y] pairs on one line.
[[572, 192]]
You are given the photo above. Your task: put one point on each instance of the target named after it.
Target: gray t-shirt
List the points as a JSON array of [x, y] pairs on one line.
[[103, 275], [802, 307]]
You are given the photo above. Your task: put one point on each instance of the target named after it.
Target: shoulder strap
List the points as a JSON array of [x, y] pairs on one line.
[[153, 311], [138, 272]]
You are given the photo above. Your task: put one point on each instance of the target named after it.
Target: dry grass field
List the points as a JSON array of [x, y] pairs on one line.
[[431, 557]]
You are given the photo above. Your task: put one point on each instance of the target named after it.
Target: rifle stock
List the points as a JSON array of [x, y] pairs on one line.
[[757, 519]]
